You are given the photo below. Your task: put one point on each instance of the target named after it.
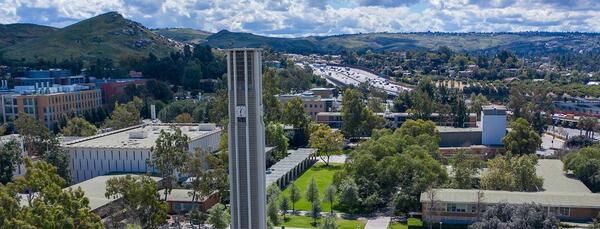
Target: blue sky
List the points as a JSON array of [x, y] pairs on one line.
[[291, 18]]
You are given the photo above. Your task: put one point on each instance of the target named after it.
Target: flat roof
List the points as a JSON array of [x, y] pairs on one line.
[[558, 190], [95, 189], [450, 129], [494, 110], [121, 138], [555, 180], [286, 164], [589, 200], [179, 195]]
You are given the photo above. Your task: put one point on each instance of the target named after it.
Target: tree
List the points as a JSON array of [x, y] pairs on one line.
[[522, 139], [326, 141], [169, 155], [465, 166], [273, 192], [349, 193], [352, 112], [295, 196], [272, 107], [10, 158], [184, 118], [34, 134], [275, 136], [57, 156], [358, 120], [200, 181], [141, 201], [329, 223], [124, 115], [315, 210], [516, 173], [515, 216], [79, 127], [52, 207], [375, 104], [312, 191], [293, 114], [585, 164], [589, 125], [423, 105], [218, 216], [579, 141], [459, 111], [272, 211], [284, 205], [477, 102], [330, 193]]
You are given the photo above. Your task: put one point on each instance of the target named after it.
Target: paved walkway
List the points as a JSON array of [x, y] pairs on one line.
[[380, 222], [338, 158]]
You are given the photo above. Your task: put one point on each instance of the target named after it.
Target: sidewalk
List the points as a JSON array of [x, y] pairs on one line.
[[381, 222]]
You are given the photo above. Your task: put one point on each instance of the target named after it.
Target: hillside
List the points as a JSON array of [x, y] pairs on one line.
[[226, 39], [11, 34], [105, 36], [523, 43], [185, 35]]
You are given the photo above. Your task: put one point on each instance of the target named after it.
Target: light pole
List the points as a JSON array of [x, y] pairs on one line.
[[441, 224]]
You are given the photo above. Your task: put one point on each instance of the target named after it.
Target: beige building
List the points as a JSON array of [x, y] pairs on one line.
[[314, 102], [50, 105]]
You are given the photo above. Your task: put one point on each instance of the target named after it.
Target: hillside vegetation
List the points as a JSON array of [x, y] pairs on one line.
[[186, 35], [105, 36], [14, 33]]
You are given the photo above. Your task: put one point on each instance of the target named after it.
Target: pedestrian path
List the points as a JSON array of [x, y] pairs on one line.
[[380, 222]]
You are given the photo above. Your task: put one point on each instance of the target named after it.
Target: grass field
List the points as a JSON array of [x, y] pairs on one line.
[[414, 223], [305, 222], [323, 177]]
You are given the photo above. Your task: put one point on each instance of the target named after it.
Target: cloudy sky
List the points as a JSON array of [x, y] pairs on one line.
[[290, 18]]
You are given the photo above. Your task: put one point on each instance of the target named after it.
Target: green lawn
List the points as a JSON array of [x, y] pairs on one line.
[[323, 177], [305, 222], [413, 222]]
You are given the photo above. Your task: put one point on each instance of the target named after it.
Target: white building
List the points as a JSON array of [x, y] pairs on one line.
[[126, 150], [494, 125]]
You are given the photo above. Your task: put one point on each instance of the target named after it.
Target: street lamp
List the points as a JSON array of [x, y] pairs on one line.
[[441, 224]]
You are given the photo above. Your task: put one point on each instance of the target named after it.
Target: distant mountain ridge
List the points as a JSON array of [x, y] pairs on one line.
[[111, 36], [11, 34], [526, 42], [107, 35]]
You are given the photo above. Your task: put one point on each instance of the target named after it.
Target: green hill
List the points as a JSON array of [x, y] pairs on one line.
[[526, 43], [185, 35], [11, 34], [105, 36], [226, 39]]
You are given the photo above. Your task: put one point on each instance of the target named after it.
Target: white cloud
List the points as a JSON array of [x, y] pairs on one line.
[[321, 17]]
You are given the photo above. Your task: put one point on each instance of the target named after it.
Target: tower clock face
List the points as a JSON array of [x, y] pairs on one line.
[[240, 111]]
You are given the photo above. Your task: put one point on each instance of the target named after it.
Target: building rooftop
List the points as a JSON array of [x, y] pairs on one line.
[[95, 189], [179, 195], [493, 110], [280, 168], [555, 180], [493, 197], [558, 190], [450, 129], [141, 136]]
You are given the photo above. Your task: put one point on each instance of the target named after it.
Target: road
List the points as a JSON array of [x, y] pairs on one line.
[[352, 76]]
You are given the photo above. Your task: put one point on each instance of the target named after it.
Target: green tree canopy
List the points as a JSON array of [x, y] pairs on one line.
[[141, 200], [326, 141], [521, 139], [169, 155], [79, 127]]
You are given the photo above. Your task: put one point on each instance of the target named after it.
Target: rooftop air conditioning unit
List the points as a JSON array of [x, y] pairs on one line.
[[206, 126], [140, 134]]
